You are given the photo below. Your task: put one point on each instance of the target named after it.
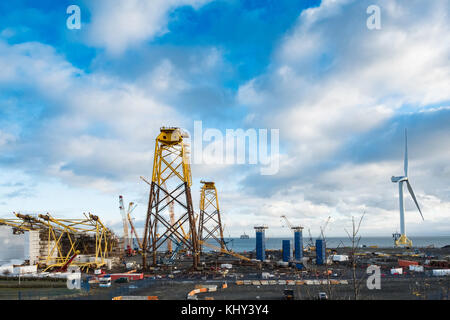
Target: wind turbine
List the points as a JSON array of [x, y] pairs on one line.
[[402, 240]]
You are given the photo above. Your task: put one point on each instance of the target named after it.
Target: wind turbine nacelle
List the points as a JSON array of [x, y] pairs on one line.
[[398, 179]]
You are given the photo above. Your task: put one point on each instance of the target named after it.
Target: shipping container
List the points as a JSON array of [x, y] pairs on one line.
[[406, 263], [130, 276]]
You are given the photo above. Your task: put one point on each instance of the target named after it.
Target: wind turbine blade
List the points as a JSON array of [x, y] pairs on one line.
[[406, 154], [414, 197]]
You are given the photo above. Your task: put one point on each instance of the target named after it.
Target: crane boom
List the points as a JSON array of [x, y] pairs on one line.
[[172, 217], [226, 251], [130, 220], [126, 238], [287, 222], [292, 227], [322, 229], [186, 235], [311, 243]]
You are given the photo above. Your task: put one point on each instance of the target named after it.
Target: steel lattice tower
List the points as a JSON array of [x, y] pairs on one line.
[[210, 222], [171, 183]]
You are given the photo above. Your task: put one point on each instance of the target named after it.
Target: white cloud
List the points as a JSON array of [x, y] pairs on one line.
[[332, 79], [95, 132], [321, 67], [117, 25], [94, 128], [6, 138]]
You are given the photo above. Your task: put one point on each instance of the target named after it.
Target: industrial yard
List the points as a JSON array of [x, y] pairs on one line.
[[223, 277], [183, 255]]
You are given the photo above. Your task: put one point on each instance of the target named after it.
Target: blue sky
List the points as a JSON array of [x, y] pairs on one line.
[[79, 109]]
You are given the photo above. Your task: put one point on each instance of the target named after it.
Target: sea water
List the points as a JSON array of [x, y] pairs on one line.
[[241, 245]]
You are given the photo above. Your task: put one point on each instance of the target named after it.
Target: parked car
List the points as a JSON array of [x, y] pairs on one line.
[[122, 280], [322, 296], [288, 294], [105, 282]]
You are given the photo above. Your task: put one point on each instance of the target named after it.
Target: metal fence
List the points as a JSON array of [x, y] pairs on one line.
[[87, 292], [125, 289], [28, 294]]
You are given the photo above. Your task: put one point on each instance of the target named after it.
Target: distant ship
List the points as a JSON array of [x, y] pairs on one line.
[[245, 236]]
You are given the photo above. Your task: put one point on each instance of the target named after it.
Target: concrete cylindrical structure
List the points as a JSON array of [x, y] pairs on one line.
[[298, 245], [286, 250], [320, 252], [260, 244]]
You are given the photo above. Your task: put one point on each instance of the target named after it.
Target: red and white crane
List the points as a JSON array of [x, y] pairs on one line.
[[131, 207], [126, 235]]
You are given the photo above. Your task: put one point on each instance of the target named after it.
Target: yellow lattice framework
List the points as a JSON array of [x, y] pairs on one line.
[[170, 185], [66, 238], [210, 224]]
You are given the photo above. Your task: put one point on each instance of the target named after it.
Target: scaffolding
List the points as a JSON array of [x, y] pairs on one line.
[[171, 183], [210, 224], [59, 241]]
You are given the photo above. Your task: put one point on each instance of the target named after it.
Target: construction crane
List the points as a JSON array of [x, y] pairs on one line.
[[187, 235], [179, 245], [226, 251], [311, 242], [297, 233], [175, 252], [229, 239], [310, 246], [293, 228], [322, 229], [131, 207], [66, 265], [171, 216], [126, 237]]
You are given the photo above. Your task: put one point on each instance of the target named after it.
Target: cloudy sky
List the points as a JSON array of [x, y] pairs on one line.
[[80, 108]]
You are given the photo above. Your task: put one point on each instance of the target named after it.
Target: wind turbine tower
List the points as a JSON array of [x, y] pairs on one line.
[[402, 239]]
